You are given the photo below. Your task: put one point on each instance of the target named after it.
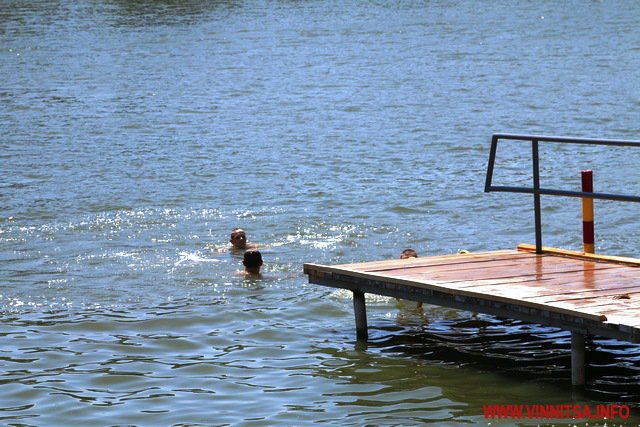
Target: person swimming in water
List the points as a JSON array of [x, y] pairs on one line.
[[252, 262], [408, 253], [238, 240]]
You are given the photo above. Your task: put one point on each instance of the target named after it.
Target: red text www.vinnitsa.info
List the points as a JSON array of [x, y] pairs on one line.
[[556, 411]]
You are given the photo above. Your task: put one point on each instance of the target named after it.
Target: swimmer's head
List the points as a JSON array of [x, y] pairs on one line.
[[408, 253], [238, 238], [252, 262]]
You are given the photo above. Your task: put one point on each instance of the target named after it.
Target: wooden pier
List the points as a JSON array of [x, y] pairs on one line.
[[586, 294]]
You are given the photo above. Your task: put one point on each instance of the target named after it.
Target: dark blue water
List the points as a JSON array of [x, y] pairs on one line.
[[137, 134]]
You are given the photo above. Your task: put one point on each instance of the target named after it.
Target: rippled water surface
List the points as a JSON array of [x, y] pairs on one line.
[[137, 134]]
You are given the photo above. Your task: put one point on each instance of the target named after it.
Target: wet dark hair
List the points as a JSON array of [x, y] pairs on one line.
[[409, 253], [252, 259]]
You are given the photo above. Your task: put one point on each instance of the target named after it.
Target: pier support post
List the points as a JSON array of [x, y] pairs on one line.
[[360, 311], [577, 359]]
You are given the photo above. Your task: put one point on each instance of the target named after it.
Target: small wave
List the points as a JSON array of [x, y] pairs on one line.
[[194, 258], [320, 244], [405, 209], [345, 294]]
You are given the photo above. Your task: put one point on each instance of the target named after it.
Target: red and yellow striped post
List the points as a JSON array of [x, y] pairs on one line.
[[588, 233]]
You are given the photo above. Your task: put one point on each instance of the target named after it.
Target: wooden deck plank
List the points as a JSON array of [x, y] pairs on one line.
[[466, 261], [598, 302], [479, 257], [591, 293], [494, 272], [556, 284], [430, 260], [632, 262], [543, 294], [504, 272], [517, 263], [535, 292]]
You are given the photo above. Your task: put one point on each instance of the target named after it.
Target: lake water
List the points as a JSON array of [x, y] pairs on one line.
[[137, 134]]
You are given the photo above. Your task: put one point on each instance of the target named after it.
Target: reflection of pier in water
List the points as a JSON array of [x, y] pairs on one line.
[[583, 293]]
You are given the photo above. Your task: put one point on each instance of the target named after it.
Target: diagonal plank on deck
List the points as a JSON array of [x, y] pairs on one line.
[[589, 294]]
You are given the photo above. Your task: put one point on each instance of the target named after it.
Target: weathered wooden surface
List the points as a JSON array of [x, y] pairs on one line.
[[591, 294]]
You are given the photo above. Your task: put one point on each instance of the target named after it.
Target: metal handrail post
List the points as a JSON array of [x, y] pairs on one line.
[[536, 195], [492, 160]]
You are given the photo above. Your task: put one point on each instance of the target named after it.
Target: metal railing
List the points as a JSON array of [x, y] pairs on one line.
[[535, 189]]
